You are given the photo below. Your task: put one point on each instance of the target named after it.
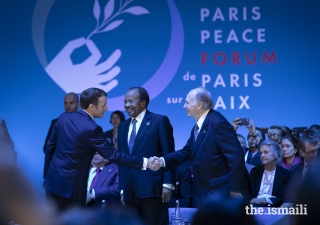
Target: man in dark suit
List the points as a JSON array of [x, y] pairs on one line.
[[308, 148], [71, 104], [103, 183], [213, 149], [74, 141], [147, 192]]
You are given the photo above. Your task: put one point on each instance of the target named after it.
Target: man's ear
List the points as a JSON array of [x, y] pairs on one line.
[[200, 105], [144, 103]]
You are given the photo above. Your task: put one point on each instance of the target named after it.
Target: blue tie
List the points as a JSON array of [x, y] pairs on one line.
[[132, 135], [196, 131]]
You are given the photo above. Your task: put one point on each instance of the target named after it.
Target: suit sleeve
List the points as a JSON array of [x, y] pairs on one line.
[[230, 147], [167, 146], [99, 144], [53, 122], [50, 150]]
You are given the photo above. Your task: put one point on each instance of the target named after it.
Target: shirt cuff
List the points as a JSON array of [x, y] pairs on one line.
[[164, 162], [145, 163], [169, 186], [121, 192]]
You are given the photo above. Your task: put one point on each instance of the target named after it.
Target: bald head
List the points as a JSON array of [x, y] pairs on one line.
[[71, 102]]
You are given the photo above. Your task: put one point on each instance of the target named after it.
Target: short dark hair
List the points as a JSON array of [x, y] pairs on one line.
[[143, 94], [120, 114], [282, 132], [91, 96], [293, 140], [307, 138], [74, 95]]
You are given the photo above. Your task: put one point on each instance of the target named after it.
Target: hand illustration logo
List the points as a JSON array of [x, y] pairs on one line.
[[88, 74]]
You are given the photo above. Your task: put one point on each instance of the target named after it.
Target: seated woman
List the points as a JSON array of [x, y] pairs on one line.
[[115, 119], [269, 180], [289, 148]]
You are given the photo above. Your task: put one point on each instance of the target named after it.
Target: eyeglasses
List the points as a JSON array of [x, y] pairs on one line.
[[311, 151]]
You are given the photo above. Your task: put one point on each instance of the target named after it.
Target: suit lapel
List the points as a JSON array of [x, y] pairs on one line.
[[201, 134], [103, 175], [145, 124], [125, 134], [277, 180]]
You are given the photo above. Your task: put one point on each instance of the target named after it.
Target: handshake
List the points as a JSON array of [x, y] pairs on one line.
[[155, 163]]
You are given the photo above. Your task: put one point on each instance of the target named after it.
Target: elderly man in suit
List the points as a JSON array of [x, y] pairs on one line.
[[145, 134], [103, 183], [213, 149], [74, 141]]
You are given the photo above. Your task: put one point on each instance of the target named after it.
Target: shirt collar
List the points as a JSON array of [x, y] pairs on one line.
[[88, 113], [202, 118], [139, 118]]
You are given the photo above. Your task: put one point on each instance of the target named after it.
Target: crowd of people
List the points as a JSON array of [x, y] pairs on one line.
[[134, 171]]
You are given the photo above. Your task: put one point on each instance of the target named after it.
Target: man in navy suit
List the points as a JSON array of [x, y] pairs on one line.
[[74, 141], [103, 183], [146, 192], [213, 149]]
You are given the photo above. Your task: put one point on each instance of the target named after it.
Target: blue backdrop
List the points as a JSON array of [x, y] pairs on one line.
[[259, 59]]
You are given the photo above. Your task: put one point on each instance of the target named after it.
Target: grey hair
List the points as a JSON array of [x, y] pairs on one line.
[[275, 149], [204, 96]]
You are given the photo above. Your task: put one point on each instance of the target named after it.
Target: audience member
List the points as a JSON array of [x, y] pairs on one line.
[[183, 188], [252, 155], [103, 183], [269, 180], [309, 198], [115, 119], [314, 129], [242, 140], [287, 130], [308, 147], [219, 210], [289, 147], [146, 192], [275, 133], [71, 104]]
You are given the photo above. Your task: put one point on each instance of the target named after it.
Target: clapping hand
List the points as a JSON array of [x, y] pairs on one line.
[[155, 163]]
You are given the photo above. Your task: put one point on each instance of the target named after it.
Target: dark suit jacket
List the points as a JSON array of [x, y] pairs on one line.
[[216, 156], [294, 183], [279, 185], [75, 139], [154, 138], [255, 160], [107, 187], [109, 136], [53, 122]]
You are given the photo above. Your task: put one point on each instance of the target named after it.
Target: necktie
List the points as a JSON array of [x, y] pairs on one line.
[[196, 131], [94, 180], [249, 157], [132, 135]]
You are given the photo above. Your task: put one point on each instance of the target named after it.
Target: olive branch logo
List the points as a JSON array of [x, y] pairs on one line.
[[109, 23]]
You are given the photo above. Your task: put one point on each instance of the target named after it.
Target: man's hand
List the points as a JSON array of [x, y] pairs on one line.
[[88, 197], [166, 194], [251, 127], [155, 163], [236, 194], [236, 123], [259, 201], [121, 200]]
